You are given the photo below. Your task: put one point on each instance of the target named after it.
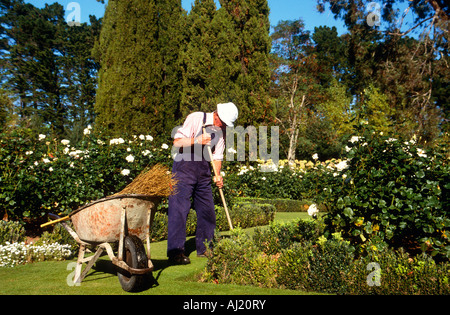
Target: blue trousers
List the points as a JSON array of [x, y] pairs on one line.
[[194, 181]]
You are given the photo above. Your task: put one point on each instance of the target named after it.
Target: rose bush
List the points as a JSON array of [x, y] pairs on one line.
[[263, 179], [393, 193], [40, 174]]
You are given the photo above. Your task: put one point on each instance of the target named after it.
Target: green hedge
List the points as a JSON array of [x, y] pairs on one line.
[[281, 205], [296, 255], [242, 215]]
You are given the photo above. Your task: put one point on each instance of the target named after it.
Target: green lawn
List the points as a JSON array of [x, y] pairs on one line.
[[51, 277]]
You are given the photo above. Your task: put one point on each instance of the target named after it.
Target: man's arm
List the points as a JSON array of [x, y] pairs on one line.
[[218, 179], [188, 142]]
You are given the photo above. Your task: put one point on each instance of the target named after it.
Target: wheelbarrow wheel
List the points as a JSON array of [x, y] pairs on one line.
[[135, 257]]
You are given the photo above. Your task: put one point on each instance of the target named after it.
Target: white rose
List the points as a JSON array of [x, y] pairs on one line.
[[312, 210]]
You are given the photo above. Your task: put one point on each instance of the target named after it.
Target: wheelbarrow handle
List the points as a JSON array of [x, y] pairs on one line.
[[56, 221]]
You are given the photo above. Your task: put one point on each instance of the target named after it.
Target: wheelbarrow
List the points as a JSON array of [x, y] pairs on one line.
[[124, 220]]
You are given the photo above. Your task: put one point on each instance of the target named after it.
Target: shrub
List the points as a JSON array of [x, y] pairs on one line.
[[11, 231], [399, 274], [58, 235], [42, 174], [392, 192], [319, 264], [279, 236], [159, 227], [328, 264], [293, 266], [230, 260], [246, 215], [301, 180], [281, 205]]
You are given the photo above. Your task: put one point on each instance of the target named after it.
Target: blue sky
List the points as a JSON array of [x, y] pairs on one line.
[[279, 10]]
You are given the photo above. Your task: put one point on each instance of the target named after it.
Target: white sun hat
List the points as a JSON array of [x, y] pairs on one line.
[[228, 113]]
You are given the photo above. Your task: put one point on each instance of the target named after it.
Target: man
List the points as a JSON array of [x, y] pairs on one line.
[[191, 167]]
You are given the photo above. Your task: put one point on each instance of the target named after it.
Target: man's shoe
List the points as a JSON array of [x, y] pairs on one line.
[[180, 259]]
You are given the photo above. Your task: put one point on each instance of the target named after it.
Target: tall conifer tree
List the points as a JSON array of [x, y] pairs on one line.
[[46, 66], [242, 71], [227, 58], [138, 52], [198, 58]]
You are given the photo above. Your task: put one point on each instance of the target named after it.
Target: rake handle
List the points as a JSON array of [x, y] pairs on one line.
[[222, 196]]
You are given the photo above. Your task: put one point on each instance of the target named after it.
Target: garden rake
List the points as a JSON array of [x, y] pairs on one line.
[[216, 173]]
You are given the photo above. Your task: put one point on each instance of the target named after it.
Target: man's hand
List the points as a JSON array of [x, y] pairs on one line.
[[204, 139], [218, 180]]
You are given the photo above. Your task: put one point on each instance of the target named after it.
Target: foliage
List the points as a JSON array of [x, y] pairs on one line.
[[281, 205], [336, 109], [179, 63], [408, 70], [132, 94], [279, 236], [298, 181], [11, 231], [330, 50], [294, 83], [59, 235], [377, 110], [278, 258], [392, 193], [47, 66], [198, 58], [40, 174], [241, 72]]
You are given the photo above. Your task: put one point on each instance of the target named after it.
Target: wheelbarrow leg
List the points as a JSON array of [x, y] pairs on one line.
[[77, 277], [150, 213], [91, 262]]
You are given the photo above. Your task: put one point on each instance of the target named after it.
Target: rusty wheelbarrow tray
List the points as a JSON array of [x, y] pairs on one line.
[[122, 219]]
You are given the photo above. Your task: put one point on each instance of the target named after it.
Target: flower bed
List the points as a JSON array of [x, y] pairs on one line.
[[12, 254]]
